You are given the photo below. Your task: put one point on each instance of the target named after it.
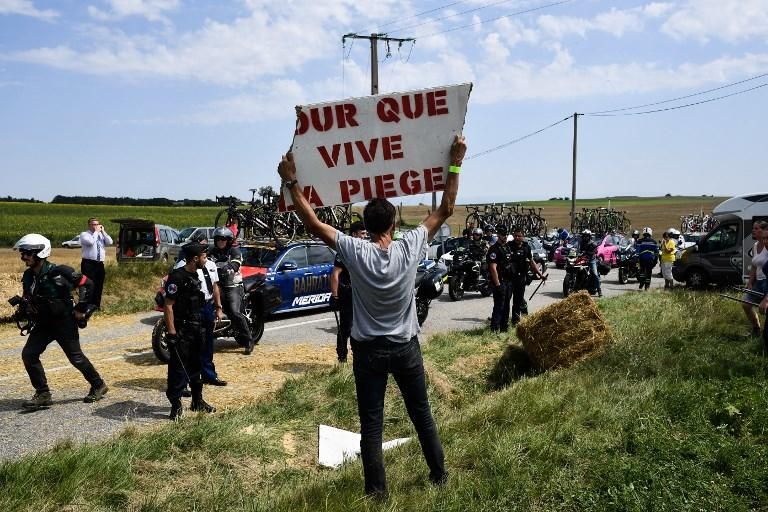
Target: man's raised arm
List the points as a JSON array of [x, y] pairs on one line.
[[445, 210], [287, 172]]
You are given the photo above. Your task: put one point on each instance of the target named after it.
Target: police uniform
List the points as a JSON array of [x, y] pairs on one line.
[[208, 277], [501, 255], [519, 262], [589, 249], [647, 254], [345, 309], [184, 367], [49, 293], [478, 249], [228, 261]]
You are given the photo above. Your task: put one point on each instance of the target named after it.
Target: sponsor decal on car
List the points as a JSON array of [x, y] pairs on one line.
[[309, 284], [307, 300]]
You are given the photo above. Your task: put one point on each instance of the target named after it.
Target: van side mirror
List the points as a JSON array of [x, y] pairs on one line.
[[287, 266]]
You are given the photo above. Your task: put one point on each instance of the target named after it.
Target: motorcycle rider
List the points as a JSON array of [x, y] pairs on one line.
[[588, 248], [648, 255], [477, 247], [48, 298], [341, 295], [228, 260], [634, 239], [183, 308]]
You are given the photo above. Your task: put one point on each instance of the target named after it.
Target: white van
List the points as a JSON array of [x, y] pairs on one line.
[[724, 255]]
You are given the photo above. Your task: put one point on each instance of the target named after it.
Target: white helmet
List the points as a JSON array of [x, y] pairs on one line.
[[673, 232], [647, 231], [34, 242]]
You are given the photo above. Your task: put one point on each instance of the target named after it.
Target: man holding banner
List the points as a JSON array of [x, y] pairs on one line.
[[384, 333]]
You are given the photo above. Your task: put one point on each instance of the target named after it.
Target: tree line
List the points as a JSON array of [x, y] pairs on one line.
[[131, 201]]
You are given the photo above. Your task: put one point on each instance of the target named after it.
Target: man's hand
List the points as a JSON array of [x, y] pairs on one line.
[[458, 149], [171, 339], [219, 314], [287, 168]]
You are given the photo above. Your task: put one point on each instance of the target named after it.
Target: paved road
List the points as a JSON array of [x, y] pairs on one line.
[[120, 349]]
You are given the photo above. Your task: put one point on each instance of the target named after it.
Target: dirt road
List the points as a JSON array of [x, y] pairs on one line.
[[119, 347]]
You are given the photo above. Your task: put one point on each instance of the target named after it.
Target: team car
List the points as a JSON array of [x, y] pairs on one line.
[[301, 269]]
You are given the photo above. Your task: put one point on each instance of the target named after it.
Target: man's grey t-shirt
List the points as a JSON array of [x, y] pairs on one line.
[[383, 298]]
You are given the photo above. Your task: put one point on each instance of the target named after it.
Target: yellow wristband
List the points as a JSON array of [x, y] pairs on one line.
[[455, 169]]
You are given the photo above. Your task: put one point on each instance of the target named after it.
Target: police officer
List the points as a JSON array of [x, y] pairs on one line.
[[228, 260], [48, 299], [211, 313], [588, 247], [184, 301], [477, 246], [341, 295], [521, 259], [499, 263], [647, 255]]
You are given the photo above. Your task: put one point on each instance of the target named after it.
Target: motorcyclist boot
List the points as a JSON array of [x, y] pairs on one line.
[[96, 393], [198, 404], [177, 410], [40, 400]]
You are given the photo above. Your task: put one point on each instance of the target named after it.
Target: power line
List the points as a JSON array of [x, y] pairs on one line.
[[678, 98], [481, 22], [519, 139], [679, 106], [392, 22], [485, 6]]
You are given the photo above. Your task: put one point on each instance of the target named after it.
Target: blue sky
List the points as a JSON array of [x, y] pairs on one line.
[[189, 98]]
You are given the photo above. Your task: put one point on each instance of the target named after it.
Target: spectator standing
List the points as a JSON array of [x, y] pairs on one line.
[[48, 292], [341, 295], [668, 255], [93, 245], [757, 279], [385, 327]]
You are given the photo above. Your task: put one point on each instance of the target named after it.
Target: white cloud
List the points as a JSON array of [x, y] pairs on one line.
[[152, 10], [727, 20], [616, 22], [26, 8]]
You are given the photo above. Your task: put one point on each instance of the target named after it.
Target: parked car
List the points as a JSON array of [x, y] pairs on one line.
[[72, 244], [436, 248], [608, 247], [539, 253], [195, 233], [144, 240]]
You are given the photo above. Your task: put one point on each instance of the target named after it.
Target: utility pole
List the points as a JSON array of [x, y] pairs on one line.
[[374, 39], [573, 179]]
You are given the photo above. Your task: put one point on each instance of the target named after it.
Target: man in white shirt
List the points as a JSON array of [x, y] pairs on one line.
[[93, 245]]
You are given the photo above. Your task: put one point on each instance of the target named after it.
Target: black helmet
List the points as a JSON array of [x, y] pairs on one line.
[[502, 230]]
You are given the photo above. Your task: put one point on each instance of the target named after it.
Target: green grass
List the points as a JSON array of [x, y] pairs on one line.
[[672, 416], [60, 222]]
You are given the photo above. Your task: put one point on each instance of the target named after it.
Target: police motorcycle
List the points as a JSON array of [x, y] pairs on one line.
[[577, 274], [429, 284], [467, 274], [260, 299], [628, 264]]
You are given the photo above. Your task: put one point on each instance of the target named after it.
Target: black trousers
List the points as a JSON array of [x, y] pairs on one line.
[[646, 271], [345, 322], [502, 295], [95, 272], [184, 367], [232, 303], [518, 297], [373, 361], [64, 331]]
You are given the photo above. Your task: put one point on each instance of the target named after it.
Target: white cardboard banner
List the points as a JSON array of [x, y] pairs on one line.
[[387, 145]]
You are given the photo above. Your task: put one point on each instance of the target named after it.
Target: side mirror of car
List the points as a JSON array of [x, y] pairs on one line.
[[287, 266]]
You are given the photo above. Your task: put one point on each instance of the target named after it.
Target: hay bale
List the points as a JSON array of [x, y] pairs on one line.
[[564, 333]]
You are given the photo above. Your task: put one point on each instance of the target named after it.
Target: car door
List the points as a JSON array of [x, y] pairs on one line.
[[320, 259], [722, 251], [292, 277]]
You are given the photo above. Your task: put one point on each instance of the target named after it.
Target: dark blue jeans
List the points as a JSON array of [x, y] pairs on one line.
[[373, 361], [345, 323], [208, 369], [502, 295]]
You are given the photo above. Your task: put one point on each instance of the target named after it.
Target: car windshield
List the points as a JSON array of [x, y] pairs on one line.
[[535, 244], [258, 256], [185, 233]]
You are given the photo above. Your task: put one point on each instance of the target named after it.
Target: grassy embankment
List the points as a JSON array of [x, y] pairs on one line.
[[673, 415]]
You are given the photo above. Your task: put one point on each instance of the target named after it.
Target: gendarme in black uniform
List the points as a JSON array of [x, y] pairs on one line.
[[500, 254], [49, 293], [519, 262], [183, 290]]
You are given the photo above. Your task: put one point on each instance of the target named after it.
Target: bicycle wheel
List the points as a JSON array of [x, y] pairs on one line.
[[474, 219], [282, 227]]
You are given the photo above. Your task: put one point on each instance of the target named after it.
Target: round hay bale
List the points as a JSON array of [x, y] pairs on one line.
[[564, 333]]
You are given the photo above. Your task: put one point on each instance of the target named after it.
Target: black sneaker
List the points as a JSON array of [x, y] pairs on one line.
[[40, 400], [201, 406], [215, 382], [249, 347], [96, 394]]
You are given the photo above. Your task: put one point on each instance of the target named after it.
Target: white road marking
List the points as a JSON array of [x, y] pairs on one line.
[[298, 324]]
